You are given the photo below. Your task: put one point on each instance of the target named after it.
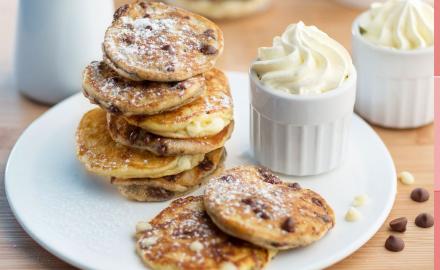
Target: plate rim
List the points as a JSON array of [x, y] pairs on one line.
[[337, 257]]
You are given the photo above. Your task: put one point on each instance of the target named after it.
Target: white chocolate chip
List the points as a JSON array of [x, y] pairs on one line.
[[143, 226], [352, 214], [360, 200], [196, 246], [147, 242], [228, 266], [406, 178]]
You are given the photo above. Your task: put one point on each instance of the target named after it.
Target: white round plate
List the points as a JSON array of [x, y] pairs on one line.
[[81, 218]]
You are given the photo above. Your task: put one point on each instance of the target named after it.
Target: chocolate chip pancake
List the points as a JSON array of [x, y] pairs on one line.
[[156, 42], [221, 9], [182, 237], [172, 186], [205, 116], [251, 203], [101, 155], [133, 136], [104, 87]]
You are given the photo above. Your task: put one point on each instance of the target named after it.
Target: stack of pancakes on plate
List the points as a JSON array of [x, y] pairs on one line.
[[165, 111]]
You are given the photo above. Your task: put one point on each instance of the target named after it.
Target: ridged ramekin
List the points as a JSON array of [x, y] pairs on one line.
[[300, 135], [395, 88]]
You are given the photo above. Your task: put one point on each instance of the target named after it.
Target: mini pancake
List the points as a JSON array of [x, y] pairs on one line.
[[182, 236], [133, 136], [205, 116], [104, 87], [101, 155], [254, 205], [222, 9], [169, 187], [156, 42]]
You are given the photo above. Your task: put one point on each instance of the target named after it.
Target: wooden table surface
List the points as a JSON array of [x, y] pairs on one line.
[[412, 150]]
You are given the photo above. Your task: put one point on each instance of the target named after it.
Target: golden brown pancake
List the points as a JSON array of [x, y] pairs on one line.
[[101, 155], [252, 204], [133, 136], [104, 87], [169, 187], [156, 42], [205, 116], [182, 237]]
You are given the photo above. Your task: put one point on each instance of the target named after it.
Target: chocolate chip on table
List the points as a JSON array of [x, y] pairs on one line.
[[394, 244], [424, 220], [420, 195], [288, 225], [399, 224], [208, 49]]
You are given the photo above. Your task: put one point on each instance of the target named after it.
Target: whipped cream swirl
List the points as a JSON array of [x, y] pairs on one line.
[[303, 61], [400, 24]]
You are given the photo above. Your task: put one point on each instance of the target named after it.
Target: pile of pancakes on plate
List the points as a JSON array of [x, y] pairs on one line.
[[165, 111], [246, 215]]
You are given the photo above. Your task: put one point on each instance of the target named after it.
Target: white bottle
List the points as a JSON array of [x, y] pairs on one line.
[[56, 39]]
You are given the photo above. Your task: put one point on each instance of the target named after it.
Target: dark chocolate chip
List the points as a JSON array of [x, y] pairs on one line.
[[170, 68], [394, 244], [326, 218], [186, 17], [209, 33], [113, 109], [149, 27], [420, 195], [129, 39], [120, 11], [227, 178], [249, 201], [399, 224], [143, 5], [170, 178], [288, 225], [424, 220], [261, 213], [162, 149], [206, 165], [294, 185], [168, 48], [180, 85], [317, 202], [208, 49], [147, 16], [268, 176]]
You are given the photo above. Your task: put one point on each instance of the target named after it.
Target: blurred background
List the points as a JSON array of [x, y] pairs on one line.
[[411, 149]]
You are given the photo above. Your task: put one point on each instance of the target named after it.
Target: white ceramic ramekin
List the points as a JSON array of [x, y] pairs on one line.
[[300, 135], [395, 87]]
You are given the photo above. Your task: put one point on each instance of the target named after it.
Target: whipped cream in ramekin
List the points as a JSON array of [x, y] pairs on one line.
[[303, 61], [400, 24]]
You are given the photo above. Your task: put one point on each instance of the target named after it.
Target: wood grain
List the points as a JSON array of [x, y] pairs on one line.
[[412, 150]]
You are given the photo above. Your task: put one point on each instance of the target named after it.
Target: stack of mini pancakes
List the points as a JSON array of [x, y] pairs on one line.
[[166, 112]]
